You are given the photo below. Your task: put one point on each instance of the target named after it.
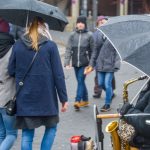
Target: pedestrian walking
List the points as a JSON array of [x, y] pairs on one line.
[[8, 133], [79, 48], [106, 61], [97, 89], [37, 102]]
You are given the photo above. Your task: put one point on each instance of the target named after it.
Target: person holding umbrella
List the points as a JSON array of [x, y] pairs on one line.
[[8, 133], [37, 102]]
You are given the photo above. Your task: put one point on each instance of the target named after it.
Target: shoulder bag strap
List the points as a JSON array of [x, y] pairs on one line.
[[22, 82]]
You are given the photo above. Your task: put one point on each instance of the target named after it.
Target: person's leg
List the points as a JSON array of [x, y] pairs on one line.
[[113, 86], [82, 77], [78, 92], [2, 128], [27, 139], [97, 89], [77, 98], [81, 89], [101, 79], [48, 138], [10, 132], [113, 83], [108, 87]]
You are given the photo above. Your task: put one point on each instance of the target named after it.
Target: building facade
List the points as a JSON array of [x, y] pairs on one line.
[[74, 8]]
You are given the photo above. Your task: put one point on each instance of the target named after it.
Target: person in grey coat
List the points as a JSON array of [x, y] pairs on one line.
[[8, 134], [79, 49], [106, 61], [97, 89]]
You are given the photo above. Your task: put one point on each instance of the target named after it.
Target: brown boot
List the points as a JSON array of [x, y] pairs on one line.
[[83, 104]]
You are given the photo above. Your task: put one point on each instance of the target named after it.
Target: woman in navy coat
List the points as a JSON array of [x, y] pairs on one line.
[[37, 102]]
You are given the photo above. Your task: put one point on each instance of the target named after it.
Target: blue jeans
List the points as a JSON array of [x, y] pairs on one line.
[[47, 141], [81, 93], [8, 134], [105, 82]]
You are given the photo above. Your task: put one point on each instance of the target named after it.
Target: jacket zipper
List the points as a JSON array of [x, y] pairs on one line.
[[78, 61]]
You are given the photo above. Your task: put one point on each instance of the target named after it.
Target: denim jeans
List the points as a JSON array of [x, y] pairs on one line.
[[105, 82], [47, 141], [81, 93], [8, 134]]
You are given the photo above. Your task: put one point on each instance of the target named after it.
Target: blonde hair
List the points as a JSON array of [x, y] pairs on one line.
[[38, 26], [33, 34]]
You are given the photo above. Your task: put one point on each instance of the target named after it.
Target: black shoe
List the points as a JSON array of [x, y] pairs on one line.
[[105, 108], [96, 95]]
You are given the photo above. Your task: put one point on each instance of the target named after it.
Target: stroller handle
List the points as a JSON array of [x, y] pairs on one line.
[[106, 116]]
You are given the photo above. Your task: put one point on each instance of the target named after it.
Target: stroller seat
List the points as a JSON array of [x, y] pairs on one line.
[[142, 142]]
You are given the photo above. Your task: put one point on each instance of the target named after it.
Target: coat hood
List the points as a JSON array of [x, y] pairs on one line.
[[28, 42]]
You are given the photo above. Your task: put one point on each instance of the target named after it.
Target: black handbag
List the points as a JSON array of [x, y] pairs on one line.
[[11, 104]]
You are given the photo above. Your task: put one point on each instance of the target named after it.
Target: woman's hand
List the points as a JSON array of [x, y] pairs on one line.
[[64, 107], [88, 70]]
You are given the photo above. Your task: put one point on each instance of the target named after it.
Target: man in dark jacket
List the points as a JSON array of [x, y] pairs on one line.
[[79, 48], [140, 122], [106, 61], [97, 89]]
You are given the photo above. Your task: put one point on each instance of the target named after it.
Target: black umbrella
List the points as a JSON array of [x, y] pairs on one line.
[[20, 12], [130, 35]]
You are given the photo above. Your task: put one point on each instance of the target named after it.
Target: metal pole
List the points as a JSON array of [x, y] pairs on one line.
[[84, 8], [94, 12]]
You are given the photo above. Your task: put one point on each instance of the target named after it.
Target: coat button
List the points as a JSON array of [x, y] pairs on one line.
[[21, 83]]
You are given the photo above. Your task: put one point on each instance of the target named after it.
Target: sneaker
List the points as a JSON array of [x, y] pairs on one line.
[[96, 95], [83, 103], [76, 105], [105, 108]]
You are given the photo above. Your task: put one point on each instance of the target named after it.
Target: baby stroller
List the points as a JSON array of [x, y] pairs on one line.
[[118, 143]]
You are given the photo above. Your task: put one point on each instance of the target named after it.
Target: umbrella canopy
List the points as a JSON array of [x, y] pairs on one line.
[[20, 12], [130, 35]]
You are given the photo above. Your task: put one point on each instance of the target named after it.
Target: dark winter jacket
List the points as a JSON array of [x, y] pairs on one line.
[[38, 96], [104, 56], [139, 122], [79, 48], [142, 129]]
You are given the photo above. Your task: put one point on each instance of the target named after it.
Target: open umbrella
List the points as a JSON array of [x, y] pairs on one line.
[[20, 12], [130, 35]]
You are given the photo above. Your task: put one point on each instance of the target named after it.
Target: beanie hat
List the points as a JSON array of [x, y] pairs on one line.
[[99, 18], [4, 26], [81, 19]]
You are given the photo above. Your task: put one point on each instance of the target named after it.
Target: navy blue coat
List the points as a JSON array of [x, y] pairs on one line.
[[38, 96]]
